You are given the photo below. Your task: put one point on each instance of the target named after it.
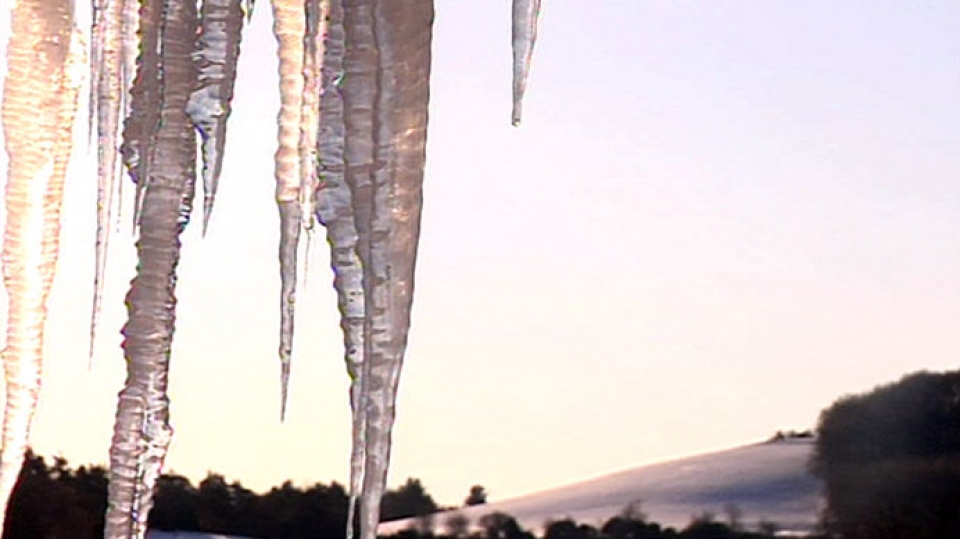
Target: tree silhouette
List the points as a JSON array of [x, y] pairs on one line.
[[175, 506], [890, 460], [569, 529], [502, 526], [409, 500], [477, 496], [56, 502]]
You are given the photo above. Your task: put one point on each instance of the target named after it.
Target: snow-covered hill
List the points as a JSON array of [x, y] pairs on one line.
[[767, 481]]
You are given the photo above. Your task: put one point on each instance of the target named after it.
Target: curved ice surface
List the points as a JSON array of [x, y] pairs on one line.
[[167, 175]]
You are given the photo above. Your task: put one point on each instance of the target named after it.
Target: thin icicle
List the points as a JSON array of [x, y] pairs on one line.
[[130, 35], [97, 37], [289, 232], [387, 68], [218, 49], [106, 102], [44, 59], [130, 42], [525, 15], [289, 27], [317, 12], [166, 180], [335, 212]]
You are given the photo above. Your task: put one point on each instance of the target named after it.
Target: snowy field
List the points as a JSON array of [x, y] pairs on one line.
[[767, 481]]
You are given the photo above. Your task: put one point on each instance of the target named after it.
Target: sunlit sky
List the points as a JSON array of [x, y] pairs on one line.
[[717, 218]]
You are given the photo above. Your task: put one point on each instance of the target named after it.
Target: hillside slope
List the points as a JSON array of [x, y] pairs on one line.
[[767, 481]]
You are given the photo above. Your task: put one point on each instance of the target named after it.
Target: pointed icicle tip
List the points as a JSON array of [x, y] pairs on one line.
[[207, 210], [525, 15], [284, 388]]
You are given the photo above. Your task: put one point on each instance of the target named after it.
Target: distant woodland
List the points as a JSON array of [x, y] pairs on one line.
[[889, 460]]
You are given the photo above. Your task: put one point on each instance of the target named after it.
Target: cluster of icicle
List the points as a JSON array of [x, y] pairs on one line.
[[352, 130]]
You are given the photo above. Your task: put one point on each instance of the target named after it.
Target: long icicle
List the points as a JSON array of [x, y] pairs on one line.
[[218, 49], [107, 88], [525, 15], [289, 27], [142, 432], [335, 212], [45, 56], [357, 87], [401, 33]]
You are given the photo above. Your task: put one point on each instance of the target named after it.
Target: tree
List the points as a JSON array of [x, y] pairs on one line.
[[175, 505], [409, 500], [569, 529], [890, 460], [633, 511], [457, 525], [626, 527], [477, 496], [734, 516], [704, 526], [768, 527], [502, 526]]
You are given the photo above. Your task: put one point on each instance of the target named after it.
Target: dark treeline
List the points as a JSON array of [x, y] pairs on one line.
[[632, 524], [53, 501]]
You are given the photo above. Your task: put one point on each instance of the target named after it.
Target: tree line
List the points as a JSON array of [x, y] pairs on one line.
[[630, 524], [53, 501]]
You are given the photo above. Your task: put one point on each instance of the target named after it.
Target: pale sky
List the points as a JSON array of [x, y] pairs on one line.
[[717, 218]]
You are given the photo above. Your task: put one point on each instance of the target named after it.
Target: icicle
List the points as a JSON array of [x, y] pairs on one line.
[[130, 42], [358, 87], [289, 233], [97, 37], [166, 180], [45, 56], [316, 27], [289, 27], [387, 68], [335, 212], [107, 79], [218, 49], [140, 126], [525, 14]]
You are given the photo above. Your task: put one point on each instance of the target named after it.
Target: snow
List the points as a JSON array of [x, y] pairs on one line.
[[768, 481]]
